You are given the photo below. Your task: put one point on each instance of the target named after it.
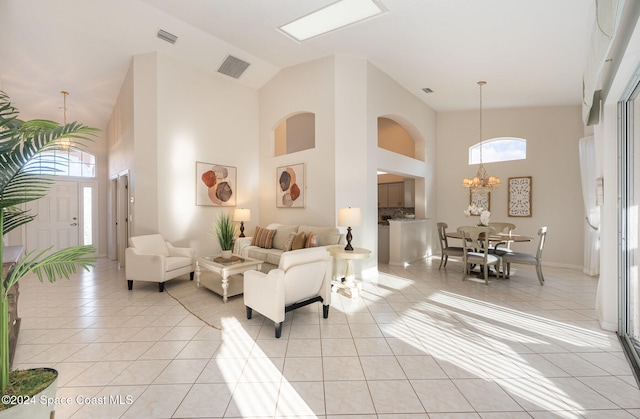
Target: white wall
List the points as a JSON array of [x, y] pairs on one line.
[[387, 98], [120, 130], [208, 118], [304, 88], [347, 94], [552, 135], [170, 115]]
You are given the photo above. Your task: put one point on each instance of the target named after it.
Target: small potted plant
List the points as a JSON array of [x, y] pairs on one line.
[[23, 179], [226, 233]]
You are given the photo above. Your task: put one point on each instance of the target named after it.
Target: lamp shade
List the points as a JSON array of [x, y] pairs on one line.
[[349, 217], [242, 214]]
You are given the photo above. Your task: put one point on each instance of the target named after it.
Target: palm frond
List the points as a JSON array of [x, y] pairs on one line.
[[15, 217], [23, 178], [60, 264]]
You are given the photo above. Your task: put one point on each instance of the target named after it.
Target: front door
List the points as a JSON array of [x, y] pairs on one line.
[[57, 222]]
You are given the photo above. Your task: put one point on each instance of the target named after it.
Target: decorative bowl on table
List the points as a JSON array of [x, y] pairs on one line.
[[410, 216]]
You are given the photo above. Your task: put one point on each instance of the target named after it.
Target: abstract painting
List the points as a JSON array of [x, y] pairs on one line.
[[215, 185], [290, 191]]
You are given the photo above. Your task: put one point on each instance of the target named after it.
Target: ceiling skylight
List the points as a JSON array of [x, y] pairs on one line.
[[335, 16]]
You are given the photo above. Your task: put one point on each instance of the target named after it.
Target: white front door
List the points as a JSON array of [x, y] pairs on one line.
[[57, 222]]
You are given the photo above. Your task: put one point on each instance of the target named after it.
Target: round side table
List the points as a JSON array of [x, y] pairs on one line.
[[348, 283]]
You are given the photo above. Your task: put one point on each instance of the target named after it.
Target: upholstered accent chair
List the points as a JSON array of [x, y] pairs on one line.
[[302, 277], [151, 258]]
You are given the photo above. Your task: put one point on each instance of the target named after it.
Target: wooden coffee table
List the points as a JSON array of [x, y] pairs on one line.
[[237, 265]]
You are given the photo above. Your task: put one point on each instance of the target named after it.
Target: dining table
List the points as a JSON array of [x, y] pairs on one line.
[[496, 239]]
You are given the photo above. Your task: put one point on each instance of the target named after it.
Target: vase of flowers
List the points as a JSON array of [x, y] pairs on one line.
[[484, 214], [484, 218]]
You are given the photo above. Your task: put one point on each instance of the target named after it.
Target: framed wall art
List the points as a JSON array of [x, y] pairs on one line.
[[479, 200], [520, 196], [290, 192], [215, 185]]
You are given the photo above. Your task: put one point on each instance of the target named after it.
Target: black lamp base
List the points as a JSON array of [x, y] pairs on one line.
[[241, 229], [349, 238]]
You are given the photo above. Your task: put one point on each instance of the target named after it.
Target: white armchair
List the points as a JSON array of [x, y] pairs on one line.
[[302, 277], [151, 258]]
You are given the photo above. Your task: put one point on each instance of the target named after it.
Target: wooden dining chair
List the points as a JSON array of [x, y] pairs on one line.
[[445, 249], [501, 248], [475, 241], [527, 258]]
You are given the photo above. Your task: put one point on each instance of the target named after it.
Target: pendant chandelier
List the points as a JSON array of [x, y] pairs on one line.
[[481, 182], [64, 143]]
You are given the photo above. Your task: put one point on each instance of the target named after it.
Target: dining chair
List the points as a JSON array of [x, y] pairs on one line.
[[527, 258], [501, 248], [445, 249], [475, 242]]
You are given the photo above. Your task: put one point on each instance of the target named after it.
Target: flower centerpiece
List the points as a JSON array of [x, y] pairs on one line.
[[484, 218], [483, 213]]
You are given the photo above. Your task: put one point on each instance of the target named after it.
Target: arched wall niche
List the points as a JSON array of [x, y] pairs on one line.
[[398, 135], [295, 132]]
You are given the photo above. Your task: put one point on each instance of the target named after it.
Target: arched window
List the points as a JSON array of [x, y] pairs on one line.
[[498, 149], [66, 163]]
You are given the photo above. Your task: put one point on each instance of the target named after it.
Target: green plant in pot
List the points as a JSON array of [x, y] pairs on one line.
[[25, 169], [225, 231]]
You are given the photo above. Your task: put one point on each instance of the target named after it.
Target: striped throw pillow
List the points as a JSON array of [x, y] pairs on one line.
[[263, 238]]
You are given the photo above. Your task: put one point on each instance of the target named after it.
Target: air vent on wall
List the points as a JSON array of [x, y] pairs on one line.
[[233, 67], [166, 36]]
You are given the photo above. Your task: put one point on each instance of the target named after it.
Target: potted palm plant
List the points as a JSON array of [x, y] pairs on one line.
[[25, 169], [225, 232]]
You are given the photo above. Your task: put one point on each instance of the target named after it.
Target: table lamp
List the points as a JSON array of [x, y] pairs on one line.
[[242, 215], [349, 217]]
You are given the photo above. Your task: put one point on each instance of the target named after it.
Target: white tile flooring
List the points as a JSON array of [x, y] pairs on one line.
[[419, 343]]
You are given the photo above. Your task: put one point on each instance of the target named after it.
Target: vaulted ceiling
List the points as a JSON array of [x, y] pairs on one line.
[[530, 52]]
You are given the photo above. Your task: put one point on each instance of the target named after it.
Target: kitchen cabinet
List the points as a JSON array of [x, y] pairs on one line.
[[397, 194], [409, 193], [383, 244], [383, 195]]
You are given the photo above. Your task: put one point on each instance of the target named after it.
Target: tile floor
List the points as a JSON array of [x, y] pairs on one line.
[[420, 342]]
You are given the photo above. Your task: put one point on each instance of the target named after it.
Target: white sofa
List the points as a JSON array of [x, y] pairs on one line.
[[151, 258], [326, 236]]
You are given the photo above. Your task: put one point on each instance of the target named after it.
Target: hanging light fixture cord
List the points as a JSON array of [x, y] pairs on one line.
[[64, 106], [65, 143], [481, 83], [481, 182]]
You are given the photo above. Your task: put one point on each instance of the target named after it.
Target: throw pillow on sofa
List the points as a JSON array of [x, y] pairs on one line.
[[282, 235], [312, 240], [263, 237], [299, 241], [289, 243]]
